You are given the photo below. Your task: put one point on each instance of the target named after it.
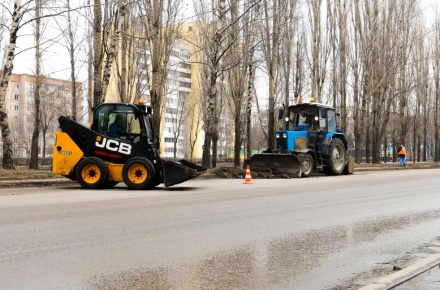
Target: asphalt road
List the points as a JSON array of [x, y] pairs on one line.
[[310, 233]]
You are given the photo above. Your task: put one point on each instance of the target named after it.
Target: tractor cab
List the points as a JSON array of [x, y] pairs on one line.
[[310, 117], [309, 120]]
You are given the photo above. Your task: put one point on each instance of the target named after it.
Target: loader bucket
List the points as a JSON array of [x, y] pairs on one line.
[[286, 163], [178, 172]]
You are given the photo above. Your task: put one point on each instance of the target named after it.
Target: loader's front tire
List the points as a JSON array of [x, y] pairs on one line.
[[138, 173], [335, 160], [92, 173]]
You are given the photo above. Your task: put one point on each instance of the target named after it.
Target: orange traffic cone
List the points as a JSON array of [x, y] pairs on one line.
[[248, 179]]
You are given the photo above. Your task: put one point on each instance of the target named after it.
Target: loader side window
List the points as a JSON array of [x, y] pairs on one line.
[[148, 128]]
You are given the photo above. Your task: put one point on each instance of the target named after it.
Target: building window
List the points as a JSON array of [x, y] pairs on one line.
[[16, 107], [17, 86], [16, 96]]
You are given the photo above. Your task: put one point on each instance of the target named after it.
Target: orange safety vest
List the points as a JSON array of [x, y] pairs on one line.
[[402, 151]]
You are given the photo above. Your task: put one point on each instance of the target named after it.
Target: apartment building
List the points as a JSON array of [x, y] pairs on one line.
[[178, 114], [55, 100]]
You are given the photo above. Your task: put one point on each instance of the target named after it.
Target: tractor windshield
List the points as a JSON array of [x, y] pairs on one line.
[[303, 118]]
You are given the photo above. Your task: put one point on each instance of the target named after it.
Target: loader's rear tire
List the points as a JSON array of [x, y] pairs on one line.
[[306, 161], [335, 160], [138, 173], [92, 173]]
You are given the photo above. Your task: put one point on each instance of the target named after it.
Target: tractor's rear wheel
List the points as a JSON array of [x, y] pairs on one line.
[[92, 173], [306, 164], [335, 160], [138, 173]]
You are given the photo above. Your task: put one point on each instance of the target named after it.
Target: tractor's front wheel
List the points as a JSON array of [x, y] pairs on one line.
[[92, 173], [306, 161], [335, 160], [138, 173]]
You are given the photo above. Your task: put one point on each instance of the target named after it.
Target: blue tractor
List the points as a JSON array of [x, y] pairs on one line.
[[309, 141]]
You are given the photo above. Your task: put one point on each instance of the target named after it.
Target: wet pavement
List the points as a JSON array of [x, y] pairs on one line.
[[287, 250]]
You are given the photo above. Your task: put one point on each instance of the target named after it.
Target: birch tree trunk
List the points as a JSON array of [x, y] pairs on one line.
[[98, 53], [8, 162]]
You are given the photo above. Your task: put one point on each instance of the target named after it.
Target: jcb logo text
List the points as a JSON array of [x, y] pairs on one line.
[[114, 145]]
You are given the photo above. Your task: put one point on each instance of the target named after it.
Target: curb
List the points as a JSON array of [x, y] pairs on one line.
[[34, 182], [397, 278]]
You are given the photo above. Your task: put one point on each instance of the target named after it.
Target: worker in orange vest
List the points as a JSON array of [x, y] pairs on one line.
[[401, 152]]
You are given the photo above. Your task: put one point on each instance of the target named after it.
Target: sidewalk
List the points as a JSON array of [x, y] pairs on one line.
[[36, 182], [422, 275]]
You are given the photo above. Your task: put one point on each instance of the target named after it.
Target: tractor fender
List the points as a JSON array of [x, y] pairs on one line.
[[338, 135], [323, 147]]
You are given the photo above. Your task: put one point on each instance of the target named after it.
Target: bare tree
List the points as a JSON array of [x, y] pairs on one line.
[[33, 163], [16, 16], [271, 45], [217, 32], [98, 53], [436, 77], [70, 33], [159, 20], [241, 71]]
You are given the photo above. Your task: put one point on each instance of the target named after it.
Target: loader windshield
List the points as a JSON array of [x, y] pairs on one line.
[[119, 121]]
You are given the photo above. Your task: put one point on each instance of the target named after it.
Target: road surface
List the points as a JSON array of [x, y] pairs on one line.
[[309, 233]]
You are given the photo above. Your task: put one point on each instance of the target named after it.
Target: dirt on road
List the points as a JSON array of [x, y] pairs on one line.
[[228, 172]]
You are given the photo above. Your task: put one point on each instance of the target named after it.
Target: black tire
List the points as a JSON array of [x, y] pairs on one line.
[[110, 184], [335, 160], [92, 173], [157, 180], [307, 164], [138, 173]]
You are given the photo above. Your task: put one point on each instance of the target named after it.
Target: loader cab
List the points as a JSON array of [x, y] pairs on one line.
[[134, 120]]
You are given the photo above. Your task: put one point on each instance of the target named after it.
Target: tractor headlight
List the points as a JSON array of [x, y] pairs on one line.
[[284, 135]]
